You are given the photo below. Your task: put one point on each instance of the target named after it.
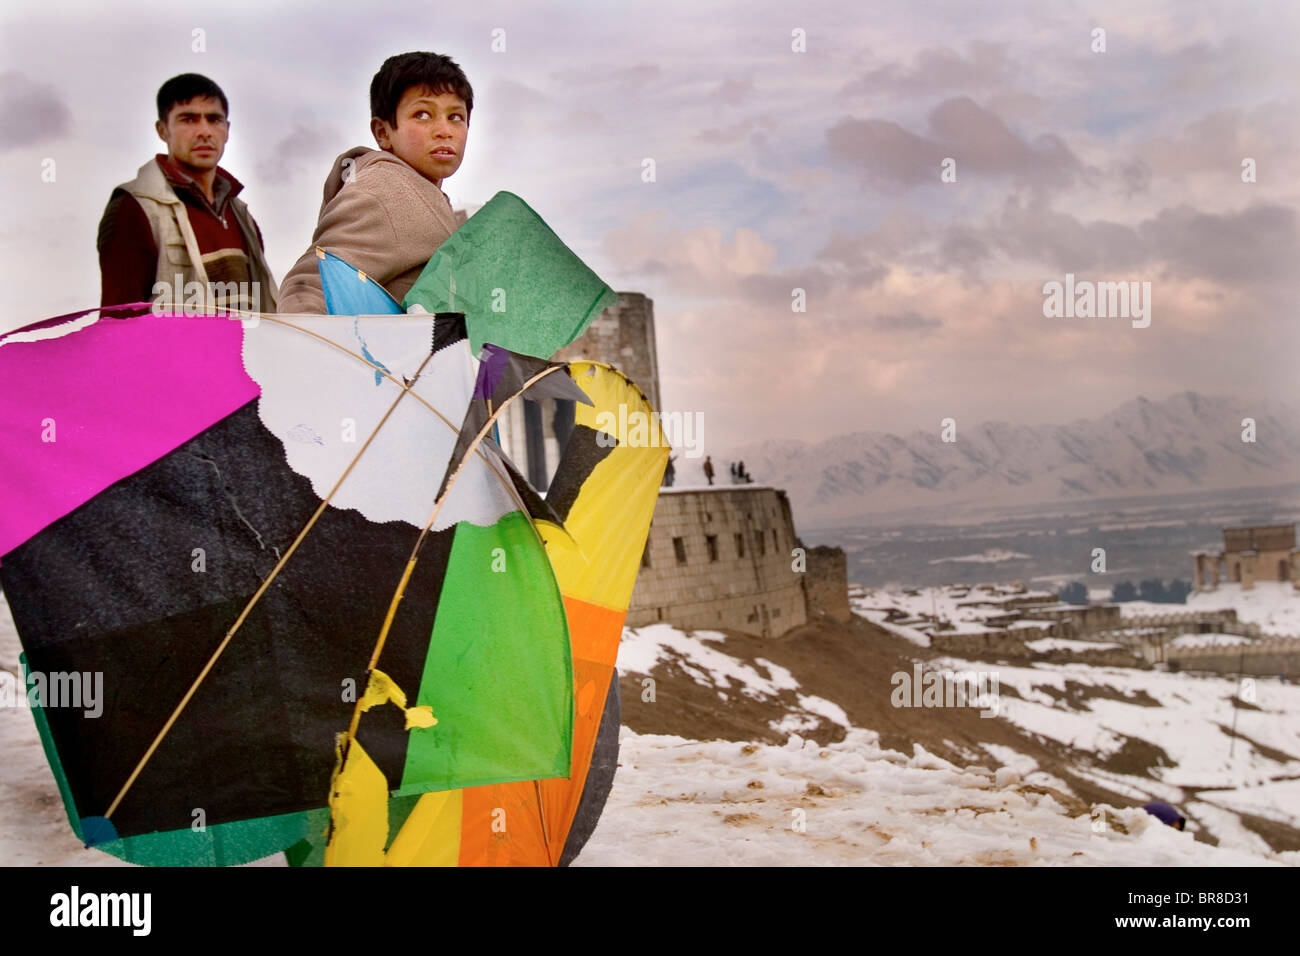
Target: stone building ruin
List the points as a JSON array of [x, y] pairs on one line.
[[725, 556], [1258, 553]]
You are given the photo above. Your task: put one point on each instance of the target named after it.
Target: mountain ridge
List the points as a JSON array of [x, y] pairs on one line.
[[1187, 442]]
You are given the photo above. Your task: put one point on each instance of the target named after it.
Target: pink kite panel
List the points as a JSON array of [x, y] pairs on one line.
[[84, 410]]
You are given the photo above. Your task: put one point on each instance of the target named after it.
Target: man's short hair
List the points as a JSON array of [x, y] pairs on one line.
[[183, 88], [405, 70]]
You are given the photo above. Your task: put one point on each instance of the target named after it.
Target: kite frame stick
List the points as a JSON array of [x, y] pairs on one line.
[[401, 591], [510, 488], [541, 812], [139, 767], [419, 542], [405, 389]]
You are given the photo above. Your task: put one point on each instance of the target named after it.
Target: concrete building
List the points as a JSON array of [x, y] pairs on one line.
[[1258, 553], [722, 557]]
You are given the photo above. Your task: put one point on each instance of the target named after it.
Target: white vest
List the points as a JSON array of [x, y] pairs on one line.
[[178, 249]]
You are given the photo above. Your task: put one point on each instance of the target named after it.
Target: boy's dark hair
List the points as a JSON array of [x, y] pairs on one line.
[[183, 88], [405, 70]]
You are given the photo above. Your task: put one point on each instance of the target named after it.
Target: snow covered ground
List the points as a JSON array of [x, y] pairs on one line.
[[643, 648], [1188, 718], [1046, 644], [987, 556], [678, 801], [966, 610], [1273, 605]]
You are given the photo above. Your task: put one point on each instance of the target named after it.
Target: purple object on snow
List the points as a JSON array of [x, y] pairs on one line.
[[1165, 813]]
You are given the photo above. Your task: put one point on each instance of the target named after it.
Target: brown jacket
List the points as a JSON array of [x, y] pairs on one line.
[[379, 215]]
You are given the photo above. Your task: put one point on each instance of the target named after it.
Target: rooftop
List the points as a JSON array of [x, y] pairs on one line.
[[678, 488]]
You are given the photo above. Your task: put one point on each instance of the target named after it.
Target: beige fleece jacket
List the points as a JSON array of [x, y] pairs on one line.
[[382, 217]]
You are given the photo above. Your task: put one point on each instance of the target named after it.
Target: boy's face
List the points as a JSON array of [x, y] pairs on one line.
[[195, 133], [430, 133]]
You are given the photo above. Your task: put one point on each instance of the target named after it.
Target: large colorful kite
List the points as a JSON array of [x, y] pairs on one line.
[[331, 617]]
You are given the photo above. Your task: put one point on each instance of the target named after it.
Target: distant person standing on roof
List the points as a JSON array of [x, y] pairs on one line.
[[708, 468]]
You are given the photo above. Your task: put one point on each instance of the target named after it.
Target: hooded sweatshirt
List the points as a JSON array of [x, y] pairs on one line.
[[379, 215]]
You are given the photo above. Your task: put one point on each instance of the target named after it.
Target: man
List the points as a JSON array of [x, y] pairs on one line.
[[176, 234]]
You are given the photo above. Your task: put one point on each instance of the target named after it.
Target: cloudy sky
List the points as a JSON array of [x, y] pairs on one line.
[[775, 169]]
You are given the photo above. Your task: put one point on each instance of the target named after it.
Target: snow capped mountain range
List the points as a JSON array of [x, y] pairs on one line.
[[1188, 442]]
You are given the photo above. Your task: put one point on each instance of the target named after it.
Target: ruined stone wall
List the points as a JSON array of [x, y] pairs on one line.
[[1012, 644], [1262, 553], [741, 580], [623, 336], [1279, 537], [827, 583], [1270, 657], [1081, 618], [1004, 643]]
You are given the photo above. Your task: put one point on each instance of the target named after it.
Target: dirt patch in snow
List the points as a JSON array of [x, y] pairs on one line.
[[1076, 695], [852, 665], [1272, 753], [1137, 757], [1279, 836]]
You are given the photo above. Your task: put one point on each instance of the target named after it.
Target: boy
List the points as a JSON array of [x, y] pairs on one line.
[[384, 210]]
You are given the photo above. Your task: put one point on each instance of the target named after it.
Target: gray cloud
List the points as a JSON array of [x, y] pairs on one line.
[[604, 75], [1135, 177], [935, 70], [862, 258], [1218, 141], [766, 289], [907, 239], [885, 153], [1035, 233], [30, 113], [979, 140], [727, 135], [304, 149], [888, 155], [735, 91], [962, 248], [507, 94], [1165, 117], [907, 322], [1256, 244]]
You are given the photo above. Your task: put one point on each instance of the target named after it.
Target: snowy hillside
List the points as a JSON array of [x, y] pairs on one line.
[[679, 802], [1071, 745], [739, 750], [1273, 605]]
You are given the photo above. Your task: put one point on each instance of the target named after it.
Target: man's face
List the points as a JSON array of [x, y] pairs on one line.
[[195, 133], [430, 133]]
